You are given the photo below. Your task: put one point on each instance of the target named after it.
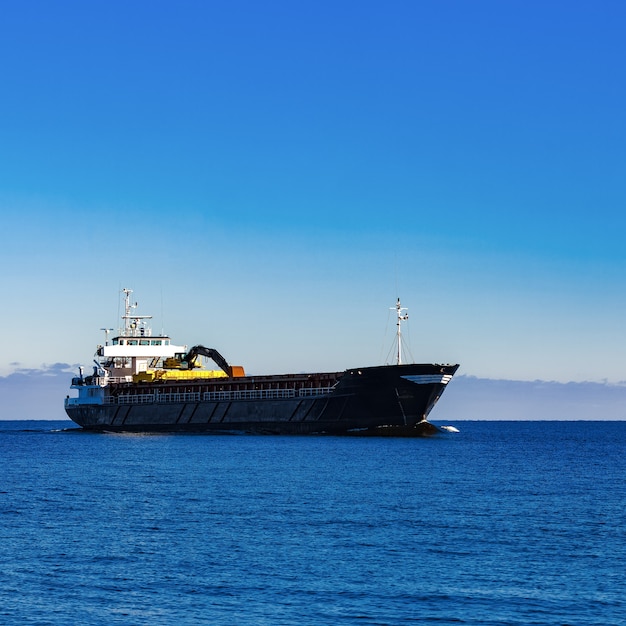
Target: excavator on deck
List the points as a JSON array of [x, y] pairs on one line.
[[187, 367], [190, 361]]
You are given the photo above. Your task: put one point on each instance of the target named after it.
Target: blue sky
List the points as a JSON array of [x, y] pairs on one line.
[[269, 177]]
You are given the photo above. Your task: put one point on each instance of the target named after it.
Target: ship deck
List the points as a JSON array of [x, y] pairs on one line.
[[247, 387]]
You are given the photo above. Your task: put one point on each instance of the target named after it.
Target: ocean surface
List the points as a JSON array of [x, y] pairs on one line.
[[501, 523]]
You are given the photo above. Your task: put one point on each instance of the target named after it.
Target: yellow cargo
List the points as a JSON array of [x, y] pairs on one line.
[[173, 375]]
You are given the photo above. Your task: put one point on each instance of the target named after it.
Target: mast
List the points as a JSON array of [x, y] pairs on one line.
[[401, 318], [131, 321]]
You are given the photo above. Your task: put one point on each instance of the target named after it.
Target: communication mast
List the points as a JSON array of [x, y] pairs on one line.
[[401, 318]]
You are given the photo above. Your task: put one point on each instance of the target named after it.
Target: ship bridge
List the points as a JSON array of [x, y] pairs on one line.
[[135, 348]]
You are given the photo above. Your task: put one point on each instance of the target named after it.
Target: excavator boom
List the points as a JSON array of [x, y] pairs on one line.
[[211, 353]]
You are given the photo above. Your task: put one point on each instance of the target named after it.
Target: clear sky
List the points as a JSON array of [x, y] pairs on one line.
[[269, 176]]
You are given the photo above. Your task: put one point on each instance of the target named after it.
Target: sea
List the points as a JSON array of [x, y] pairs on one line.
[[499, 523]]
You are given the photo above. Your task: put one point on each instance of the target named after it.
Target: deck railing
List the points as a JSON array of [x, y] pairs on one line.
[[217, 396]]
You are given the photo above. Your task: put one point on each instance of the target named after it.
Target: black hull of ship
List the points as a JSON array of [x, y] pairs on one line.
[[381, 401]]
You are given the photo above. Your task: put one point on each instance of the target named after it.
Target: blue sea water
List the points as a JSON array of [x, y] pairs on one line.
[[501, 523]]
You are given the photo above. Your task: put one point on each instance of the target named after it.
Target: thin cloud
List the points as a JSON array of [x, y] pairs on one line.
[[54, 369], [38, 393], [472, 398]]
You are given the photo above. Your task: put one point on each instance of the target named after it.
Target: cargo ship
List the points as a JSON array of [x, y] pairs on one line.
[[142, 382]]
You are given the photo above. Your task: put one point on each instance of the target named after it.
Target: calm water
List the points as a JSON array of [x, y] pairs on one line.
[[502, 523]]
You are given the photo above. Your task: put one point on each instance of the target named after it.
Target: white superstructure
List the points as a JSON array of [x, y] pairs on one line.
[[135, 348], [132, 351]]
